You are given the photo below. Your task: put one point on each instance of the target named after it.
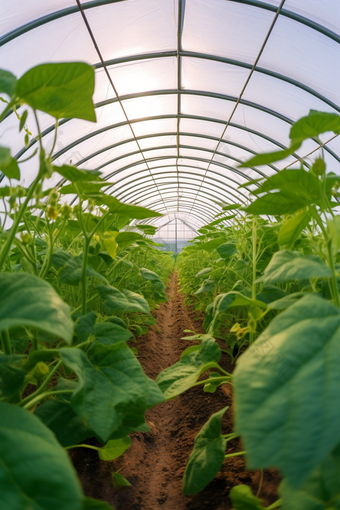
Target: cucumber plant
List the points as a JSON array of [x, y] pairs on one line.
[[67, 309]]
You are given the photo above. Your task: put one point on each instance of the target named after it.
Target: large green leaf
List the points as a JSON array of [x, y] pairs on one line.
[[314, 124], [274, 204], [35, 472], [287, 265], [108, 333], [182, 375], [7, 82], [95, 504], [72, 267], [62, 90], [223, 302], [112, 387], [292, 228], [74, 174], [153, 277], [207, 456], [207, 286], [125, 239], [270, 157], [12, 376], [8, 165], [114, 448], [295, 184], [68, 427], [243, 499], [226, 250], [125, 301], [210, 245], [26, 300], [286, 384], [321, 491], [131, 211]]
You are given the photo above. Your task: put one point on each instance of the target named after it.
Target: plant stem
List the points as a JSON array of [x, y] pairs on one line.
[[6, 341], [274, 505], [234, 454], [84, 277], [82, 446], [37, 399], [13, 231], [43, 386]]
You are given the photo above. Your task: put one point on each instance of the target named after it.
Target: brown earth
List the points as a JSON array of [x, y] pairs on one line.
[[155, 462]]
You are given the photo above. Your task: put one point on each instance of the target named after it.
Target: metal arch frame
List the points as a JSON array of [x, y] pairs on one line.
[[184, 208], [181, 220], [157, 204], [185, 175], [195, 215], [170, 92], [190, 147], [165, 193], [169, 116], [169, 133], [145, 191], [13, 34], [161, 158], [155, 93], [206, 203], [224, 185]]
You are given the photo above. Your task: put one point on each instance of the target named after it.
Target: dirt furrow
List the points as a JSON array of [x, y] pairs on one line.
[[155, 462]]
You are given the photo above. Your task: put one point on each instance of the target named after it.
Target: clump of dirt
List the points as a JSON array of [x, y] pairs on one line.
[[155, 462]]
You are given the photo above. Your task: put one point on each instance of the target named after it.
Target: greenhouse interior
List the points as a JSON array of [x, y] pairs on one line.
[[169, 255]]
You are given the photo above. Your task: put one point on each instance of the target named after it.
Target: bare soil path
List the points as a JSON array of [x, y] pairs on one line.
[[156, 461]]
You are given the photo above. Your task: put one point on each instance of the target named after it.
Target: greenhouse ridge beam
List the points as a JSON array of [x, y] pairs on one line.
[[181, 11], [245, 84], [82, 12]]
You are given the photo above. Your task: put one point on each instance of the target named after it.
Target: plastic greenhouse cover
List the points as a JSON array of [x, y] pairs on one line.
[[190, 105]]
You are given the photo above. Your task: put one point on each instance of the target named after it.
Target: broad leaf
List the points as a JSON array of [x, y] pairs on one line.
[[35, 471], [131, 211], [8, 165], [243, 499], [112, 387], [292, 228], [119, 481], [63, 90], [68, 427], [207, 286], [270, 157], [314, 124], [114, 448], [85, 326], [7, 82], [26, 300], [204, 272], [74, 174], [287, 265], [72, 267], [207, 456], [281, 383], [321, 490], [226, 250], [109, 334], [210, 245], [274, 204], [11, 376], [125, 301], [180, 377], [95, 504]]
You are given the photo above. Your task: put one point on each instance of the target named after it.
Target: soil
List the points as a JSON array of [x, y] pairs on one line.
[[155, 462]]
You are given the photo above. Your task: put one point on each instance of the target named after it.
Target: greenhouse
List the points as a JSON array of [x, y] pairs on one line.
[[169, 255]]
